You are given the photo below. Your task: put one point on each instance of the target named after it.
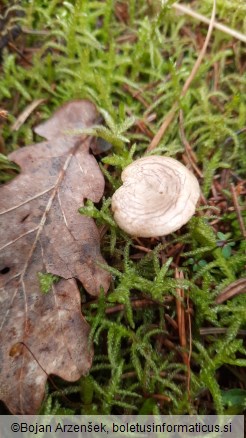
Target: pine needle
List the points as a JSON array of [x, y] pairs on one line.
[[157, 138]]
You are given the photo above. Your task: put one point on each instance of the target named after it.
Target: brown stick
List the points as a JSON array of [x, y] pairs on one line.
[[238, 210], [236, 288], [188, 149], [26, 113], [186, 10], [181, 317], [190, 347], [204, 331]]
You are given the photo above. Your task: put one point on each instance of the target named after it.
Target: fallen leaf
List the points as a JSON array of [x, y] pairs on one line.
[[42, 232]]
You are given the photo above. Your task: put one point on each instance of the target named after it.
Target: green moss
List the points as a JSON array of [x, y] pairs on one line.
[[46, 281], [133, 71]]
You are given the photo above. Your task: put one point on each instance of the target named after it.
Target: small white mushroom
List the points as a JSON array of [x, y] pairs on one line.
[[158, 196]]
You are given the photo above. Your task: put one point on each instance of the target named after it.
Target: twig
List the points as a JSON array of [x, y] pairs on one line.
[[204, 331], [189, 152], [130, 374], [236, 288], [136, 94], [171, 321], [234, 33], [160, 397], [13, 47], [26, 113], [190, 346], [181, 317], [142, 248], [238, 210], [157, 138], [143, 128], [136, 304], [35, 32]]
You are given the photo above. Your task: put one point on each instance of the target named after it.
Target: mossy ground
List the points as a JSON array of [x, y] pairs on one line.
[[131, 58]]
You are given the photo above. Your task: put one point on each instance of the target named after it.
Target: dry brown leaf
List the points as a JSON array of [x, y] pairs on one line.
[[42, 231]]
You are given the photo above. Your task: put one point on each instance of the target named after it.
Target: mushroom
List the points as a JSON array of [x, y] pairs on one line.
[[158, 196]]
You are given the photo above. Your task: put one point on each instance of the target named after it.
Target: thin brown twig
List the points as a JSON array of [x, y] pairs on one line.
[[26, 113], [236, 288], [137, 304], [136, 94], [181, 317], [13, 47], [216, 81], [190, 347], [168, 119], [130, 374], [143, 128], [186, 10], [205, 331], [238, 210], [142, 248], [171, 321], [35, 32], [188, 149], [161, 397]]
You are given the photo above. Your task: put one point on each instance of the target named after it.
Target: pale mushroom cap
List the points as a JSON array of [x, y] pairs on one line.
[[158, 196]]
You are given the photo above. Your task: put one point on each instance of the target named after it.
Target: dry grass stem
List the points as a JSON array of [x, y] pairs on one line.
[[207, 331], [188, 149], [157, 138], [188, 11], [26, 113], [181, 317], [236, 288], [238, 210]]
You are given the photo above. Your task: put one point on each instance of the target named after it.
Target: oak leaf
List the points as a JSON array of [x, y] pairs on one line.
[[42, 232]]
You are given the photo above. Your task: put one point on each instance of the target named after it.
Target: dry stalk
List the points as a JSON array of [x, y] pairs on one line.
[[238, 210], [181, 318], [168, 119], [188, 11]]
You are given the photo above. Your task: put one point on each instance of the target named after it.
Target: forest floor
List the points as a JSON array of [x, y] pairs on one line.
[[169, 337]]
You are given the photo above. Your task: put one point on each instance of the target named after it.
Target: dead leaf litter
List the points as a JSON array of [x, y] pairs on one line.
[[42, 232]]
